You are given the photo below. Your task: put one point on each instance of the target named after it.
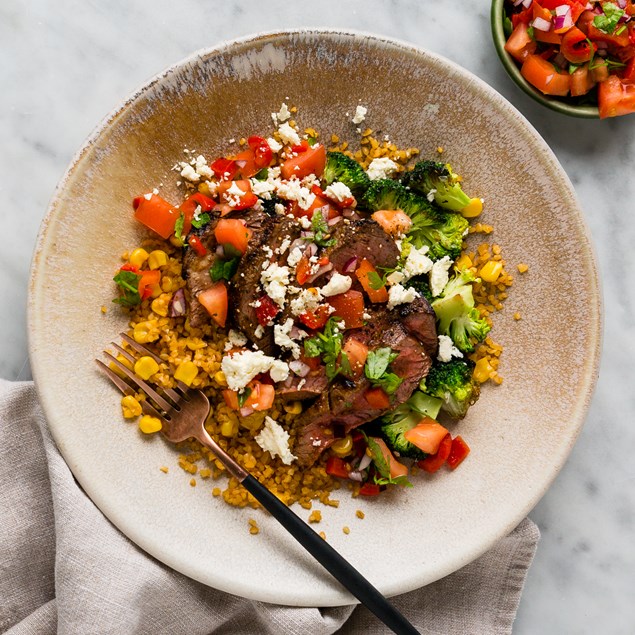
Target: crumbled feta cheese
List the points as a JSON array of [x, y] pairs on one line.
[[395, 277], [366, 316], [381, 168], [284, 245], [189, 173], [360, 114], [241, 368], [293, 191], [282, 337], [447, 350], [294, 257], [274, 281], [336, 285], [282, 115], [235, 339], [305, 222], [288, 135], [268, 252], [155, 191], [338, 191], [262, 188], [439, 275], [280, 209], [307, 301], [398, 294], [202, 169], [430, 195], [259, 331], [273, 438], [148, 196], [274, 145], [234, 190], [417, 262]]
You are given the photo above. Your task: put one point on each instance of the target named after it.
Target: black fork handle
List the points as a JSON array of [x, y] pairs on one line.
[[330, 559]]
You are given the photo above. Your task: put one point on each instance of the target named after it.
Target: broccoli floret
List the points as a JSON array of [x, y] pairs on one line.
[[404, 418], [432, 178], [431, 226], [452, 382], [269, 205], [421, 284], [456, 315], [341, 168]]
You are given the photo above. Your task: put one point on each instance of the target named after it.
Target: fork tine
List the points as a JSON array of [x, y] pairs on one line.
[[140, 348], [153, 394], [149, 409], [124, 386], [172, 394]]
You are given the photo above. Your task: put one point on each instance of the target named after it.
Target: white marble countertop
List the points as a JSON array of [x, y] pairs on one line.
[[64, 65]]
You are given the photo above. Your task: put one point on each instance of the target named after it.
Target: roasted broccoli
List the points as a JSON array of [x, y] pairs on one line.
[[269, 205], [456, 315], [431, 226], [452, 382], [341, 168], [421, 284], [436, 180], [405, 417]]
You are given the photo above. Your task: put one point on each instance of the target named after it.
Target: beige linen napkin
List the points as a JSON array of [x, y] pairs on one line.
[[64, 568]]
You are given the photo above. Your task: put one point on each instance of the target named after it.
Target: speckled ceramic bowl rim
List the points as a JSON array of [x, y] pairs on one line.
[[587, 384], [498, 35]]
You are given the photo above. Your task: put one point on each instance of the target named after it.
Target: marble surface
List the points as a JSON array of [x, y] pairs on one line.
[[64, 65]]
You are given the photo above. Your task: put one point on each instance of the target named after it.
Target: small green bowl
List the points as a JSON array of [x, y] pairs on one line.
[[559, 104]]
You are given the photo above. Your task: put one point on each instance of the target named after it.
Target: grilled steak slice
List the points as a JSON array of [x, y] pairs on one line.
[[345, 406], [420, 321], [362, 239], [268, 234], [309, 387]]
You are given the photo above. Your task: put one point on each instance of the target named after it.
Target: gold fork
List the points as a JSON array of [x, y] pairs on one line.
[[182, 412]]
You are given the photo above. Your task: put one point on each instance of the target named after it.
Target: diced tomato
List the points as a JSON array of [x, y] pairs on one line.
[[156, 214], [596, 35], [303, 270], [363, 271], [576, 8], [231, 399], [377, 398], [129, 267], [433, 462], [246, 199], [312, 362], [459, 451], [148, 280], [224, 169], [581, 81], [215, 301], [303, 146], [310, 162], [261, 396], [233, 231], [615, 97], [318, 203], [196, 244], [426, 435], [350, 307], [548, 37], [525, 16], [262, 151], [189, 206], [369, 489], [336, 466], [544, 76], [316, 319], [266, 310], [357, 353], [393, 221], [628, 75], [575, 46], [540, 12], [519, 44], [397, 469]]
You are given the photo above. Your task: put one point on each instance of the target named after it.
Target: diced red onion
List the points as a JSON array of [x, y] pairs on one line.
[[295, 333], [602, 53], [621, 4], [334, 221], [311, 250], [527, 3], [541, 24], [177, 306], [517, 2], [560, 60], [563, 9], [299, 368], [220, 252], [356, 475], [322, 270], [245, 411], [601, 45], [241, 163], [563, 21], [350, 265], [365, 462], [297, 243], [223, 208], [350, 213]]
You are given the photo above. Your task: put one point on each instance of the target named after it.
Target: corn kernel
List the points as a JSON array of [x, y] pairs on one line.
[[165, 469], [220, 378], [145, 332], [130, 407], [149, 425], [186, 372], [346, 530], [482, 370], [522, 267], [517, 316], [177, 242], [157, 258], [229, 429], [203, 188], [343, 447], [145, 367], [103, 309], [491, 270], [464, 262], [473, 208], [138, 257], [293, 407], [161, 304]]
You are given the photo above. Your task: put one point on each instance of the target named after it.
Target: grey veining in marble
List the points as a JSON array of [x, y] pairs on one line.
[[64, 65]]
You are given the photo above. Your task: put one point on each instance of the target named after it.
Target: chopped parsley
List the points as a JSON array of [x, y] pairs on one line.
[[262, 175], [178, 226], [607, 21], [200, 221], [224, 269], [128, 282], [382, 477], [243, 396], [321, 230], [375, 281], [377, 369], [328, 345]]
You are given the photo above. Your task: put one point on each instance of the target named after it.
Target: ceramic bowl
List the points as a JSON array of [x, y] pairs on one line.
[[559, 104], [520, 433]]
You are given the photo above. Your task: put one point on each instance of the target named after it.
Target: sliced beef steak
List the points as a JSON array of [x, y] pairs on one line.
[[420, 321], [345, 406], [309, 387]]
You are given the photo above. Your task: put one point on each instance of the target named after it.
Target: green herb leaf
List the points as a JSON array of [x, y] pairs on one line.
[[200, 221], [320, 229], [573, 68], [374, 280], [530, 33], [312, 347], [223, 269], [178, 226], [128, 282], [328, 344], [607, 22], [243, 396], [508, 27], [400, 480], [377, 370], [311, 141], [382, 466], [262, 175]]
